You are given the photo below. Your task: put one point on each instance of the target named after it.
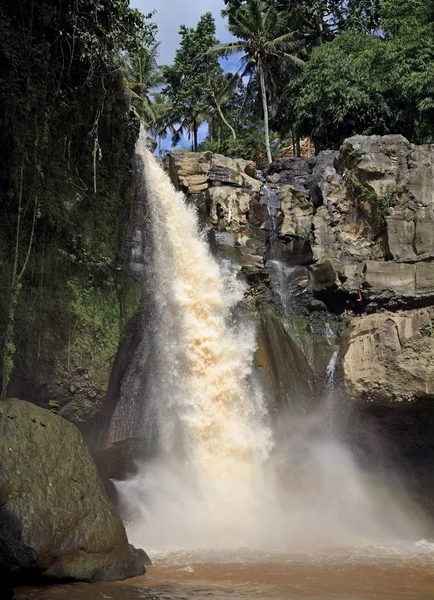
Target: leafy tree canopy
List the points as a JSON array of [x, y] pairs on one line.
[[363, 83], [191, 79]]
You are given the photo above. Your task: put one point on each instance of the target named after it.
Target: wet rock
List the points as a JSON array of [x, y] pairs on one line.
[[316, 305], [288, 379], [55, 519], [293, 171], [259, 296], [323, 275], [297, 212], [228, 207], [366, 211]]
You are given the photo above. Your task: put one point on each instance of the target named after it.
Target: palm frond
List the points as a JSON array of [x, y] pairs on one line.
[[240, 23], [295, 60], [226, 49]]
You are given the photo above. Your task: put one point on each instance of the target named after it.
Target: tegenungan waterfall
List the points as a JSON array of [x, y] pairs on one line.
[[223, 477]]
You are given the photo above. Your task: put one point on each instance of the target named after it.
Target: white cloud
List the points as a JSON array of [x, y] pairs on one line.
[[173, 13]]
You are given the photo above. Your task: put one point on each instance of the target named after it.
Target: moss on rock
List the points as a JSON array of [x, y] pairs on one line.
[[56, 521]]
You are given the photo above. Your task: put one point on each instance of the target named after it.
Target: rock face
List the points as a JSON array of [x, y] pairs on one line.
[[358, 223], [196, 172], [365, 211], [390, 356], [55, 519], [368, 211], [288, 379]]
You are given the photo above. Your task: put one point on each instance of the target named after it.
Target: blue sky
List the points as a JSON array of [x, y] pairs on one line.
[[170, 14]]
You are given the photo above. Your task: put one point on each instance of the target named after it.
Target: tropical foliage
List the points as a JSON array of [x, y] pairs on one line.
[[191, 81], [367, 66], [67, 140], [322, 69], [265, 39]]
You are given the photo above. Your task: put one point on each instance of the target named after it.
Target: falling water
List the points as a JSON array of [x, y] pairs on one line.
[[331, 369], [333, 362], [213, 432], [220, 478], [284, 283]]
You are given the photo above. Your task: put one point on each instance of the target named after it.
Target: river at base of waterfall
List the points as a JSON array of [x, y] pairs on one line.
[[395, 572]]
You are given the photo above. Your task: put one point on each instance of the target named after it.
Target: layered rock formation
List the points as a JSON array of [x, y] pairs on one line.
[[354, 229], [359, 224], [56, 522]]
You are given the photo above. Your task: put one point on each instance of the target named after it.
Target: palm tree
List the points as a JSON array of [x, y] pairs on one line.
[[256, 24], [162, 123], [218, 99], [143, 76], [180, 121]]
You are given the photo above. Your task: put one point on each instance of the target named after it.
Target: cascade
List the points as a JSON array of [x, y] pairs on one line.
[[221, 477], [333, 363], [282, 281]]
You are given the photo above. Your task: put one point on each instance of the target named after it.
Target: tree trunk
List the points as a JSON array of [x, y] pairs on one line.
[[265, 109], [320, 29], [297, 144], [222, 117], [8, 343], [195, 136]]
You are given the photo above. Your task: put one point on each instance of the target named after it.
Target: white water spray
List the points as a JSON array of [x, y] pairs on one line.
[[217, 480]]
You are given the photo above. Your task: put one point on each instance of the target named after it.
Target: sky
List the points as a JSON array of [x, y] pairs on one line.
[[169, 16]]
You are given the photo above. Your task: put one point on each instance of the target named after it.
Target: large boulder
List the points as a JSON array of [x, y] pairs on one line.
[[56, 522], [390, 356]]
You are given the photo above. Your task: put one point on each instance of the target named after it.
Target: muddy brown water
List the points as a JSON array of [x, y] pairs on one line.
[[395, 573]]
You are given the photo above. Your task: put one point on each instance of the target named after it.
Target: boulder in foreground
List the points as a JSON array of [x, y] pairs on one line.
[[56, 521]]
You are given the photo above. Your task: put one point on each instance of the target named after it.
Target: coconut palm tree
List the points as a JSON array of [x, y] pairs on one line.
[[143, 76], [264, 36]]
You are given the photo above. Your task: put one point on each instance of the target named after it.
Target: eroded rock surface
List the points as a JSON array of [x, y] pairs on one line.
[[195, 172], [288, 379], [390, 356], [55, 520]]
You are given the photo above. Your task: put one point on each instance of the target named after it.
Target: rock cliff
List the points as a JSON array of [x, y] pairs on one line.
[[358, 223], [340, 241], [390, 356]]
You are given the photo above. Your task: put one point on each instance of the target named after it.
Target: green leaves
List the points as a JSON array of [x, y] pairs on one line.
[[143, 77], [265, 39], [189, 79], [365, 84]]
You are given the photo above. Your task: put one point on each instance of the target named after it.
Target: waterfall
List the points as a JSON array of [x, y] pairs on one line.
[[211, 416], [283, 282], [199, 349], [218, 478], [333, 362]]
